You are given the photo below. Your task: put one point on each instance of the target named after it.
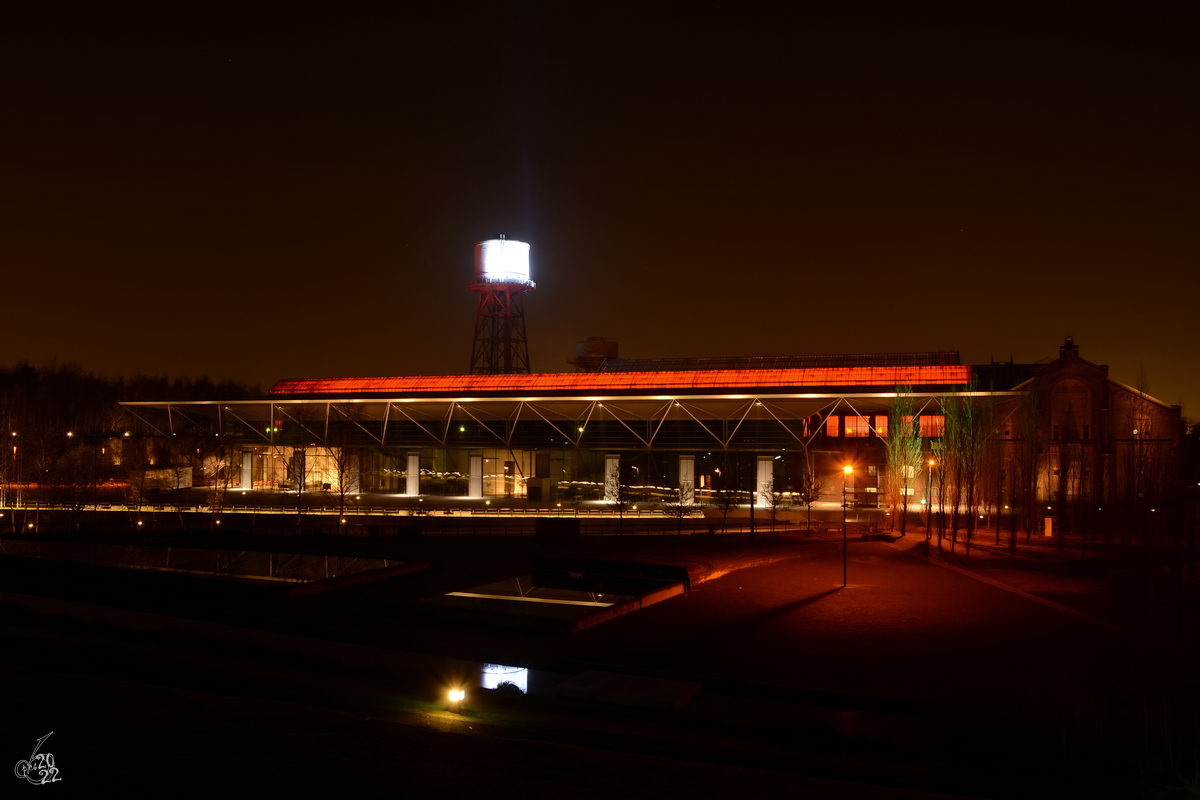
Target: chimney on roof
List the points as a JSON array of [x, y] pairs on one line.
[[1068, 349]]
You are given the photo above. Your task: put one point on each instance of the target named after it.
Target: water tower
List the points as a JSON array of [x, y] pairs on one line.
[[502, 279]]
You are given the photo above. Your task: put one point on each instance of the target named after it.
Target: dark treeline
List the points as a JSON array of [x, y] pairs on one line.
[[61, 398]]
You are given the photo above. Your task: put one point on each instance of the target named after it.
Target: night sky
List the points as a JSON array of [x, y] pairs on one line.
[[259, 191]]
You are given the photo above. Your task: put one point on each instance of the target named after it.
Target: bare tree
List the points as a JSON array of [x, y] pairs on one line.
[[939, 471], [903, 446], [809, 490], [777, 501], [1027, 419], [622, 500], [968, 425], [677, 508], [952, 461], [724, 498]]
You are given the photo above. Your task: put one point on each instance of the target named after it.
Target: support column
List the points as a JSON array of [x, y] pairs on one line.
[[247, 470], [766, 481], [412, 484], [612, 476], [687, 480], [475, 475]]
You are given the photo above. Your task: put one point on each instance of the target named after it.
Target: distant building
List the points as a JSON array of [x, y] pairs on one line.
[[1063, 431]]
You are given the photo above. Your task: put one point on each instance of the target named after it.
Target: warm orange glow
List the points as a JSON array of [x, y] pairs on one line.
[[743, 379], [847, 469]]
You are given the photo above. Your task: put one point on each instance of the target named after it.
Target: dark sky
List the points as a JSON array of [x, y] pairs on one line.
[[259, 191]]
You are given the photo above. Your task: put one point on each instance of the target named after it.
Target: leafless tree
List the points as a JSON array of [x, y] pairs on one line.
[[777, 501], [676, 508], [724, 498], [903, 447], [809, 489], [968, 425]]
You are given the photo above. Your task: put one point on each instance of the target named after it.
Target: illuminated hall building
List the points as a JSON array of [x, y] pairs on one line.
[[677, 429]]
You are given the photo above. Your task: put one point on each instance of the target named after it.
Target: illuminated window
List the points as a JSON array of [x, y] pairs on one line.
[[856, 427], [831, 426], [881, 427], [932, 425]]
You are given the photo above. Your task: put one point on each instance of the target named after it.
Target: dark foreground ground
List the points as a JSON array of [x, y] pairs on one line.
[[991, 677]]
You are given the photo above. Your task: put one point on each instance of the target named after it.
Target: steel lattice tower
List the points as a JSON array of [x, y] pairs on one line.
[[502, 280]]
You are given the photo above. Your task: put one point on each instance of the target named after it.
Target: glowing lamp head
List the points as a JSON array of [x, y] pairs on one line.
[[457, 695], [848, 469]]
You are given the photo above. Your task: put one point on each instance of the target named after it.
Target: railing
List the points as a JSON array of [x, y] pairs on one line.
[[359, 511]]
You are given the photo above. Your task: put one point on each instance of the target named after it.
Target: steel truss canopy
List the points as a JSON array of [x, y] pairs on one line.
[[684, 411]]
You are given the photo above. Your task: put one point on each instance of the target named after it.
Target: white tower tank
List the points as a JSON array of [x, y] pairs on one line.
[[502, 261]]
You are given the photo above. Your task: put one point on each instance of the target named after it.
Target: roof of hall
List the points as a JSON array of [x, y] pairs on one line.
[[695, 381], [933, 358]]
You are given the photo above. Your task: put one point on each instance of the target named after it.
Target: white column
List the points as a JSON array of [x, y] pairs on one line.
[[247, 470], [412, 485], [687, 480], [766, 481], [475, 475], [612, 476]]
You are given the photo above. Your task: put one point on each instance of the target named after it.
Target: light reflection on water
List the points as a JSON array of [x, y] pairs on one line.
[[494, 675], [241, 564]]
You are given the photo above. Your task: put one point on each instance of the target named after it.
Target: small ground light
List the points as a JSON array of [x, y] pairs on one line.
[[456, 697]]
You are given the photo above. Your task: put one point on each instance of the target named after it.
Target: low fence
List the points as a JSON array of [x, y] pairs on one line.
[[358, 510]]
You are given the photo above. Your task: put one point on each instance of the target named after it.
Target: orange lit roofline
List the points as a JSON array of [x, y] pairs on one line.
[[599, 382]]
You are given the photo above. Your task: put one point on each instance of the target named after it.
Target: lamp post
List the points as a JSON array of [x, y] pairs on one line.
[[846, 472], [928, 495]]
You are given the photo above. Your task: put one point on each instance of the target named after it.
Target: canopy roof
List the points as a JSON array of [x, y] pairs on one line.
[[747, 381]]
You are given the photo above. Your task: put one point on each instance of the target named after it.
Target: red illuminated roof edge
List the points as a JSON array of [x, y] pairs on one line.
[[626, 381]]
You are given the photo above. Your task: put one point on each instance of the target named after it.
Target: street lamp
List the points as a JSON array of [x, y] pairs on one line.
[[928, 496], [846, 472]]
